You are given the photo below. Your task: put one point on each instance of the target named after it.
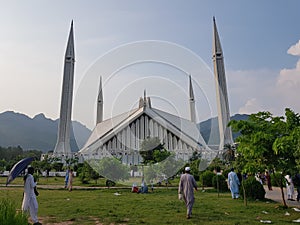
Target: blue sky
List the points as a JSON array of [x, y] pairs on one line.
[[255, 35]]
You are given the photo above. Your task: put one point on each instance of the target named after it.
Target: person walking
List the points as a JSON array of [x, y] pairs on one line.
[[70, 180], [233, 184], [296, 182], [29, 199], [289, 187], [67, 178], [187, 184], [268, 180]]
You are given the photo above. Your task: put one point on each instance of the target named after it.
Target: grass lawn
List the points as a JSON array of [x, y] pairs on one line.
[[161, 207]]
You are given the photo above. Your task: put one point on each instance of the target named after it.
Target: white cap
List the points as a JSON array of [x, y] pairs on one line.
[[187, 168]]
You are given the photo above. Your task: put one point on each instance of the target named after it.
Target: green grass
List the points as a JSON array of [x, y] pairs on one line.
[[9, 215], [160, 207]]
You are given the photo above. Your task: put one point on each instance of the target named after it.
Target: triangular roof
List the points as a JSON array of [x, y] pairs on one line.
[[183, 128], [106, 126]]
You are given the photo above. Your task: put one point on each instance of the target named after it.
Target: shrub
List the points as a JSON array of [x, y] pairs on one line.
[[226, 172], [206, 178], [222, 183], [254, 190], [9, 215]]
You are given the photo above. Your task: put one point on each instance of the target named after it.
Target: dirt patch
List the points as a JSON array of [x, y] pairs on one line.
[[43, 219]]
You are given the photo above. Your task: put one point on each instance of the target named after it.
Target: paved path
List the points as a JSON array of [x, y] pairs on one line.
[[275, 195]]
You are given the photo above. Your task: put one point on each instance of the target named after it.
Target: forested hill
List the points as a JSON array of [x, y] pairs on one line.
[[38, 133], [210, 129]]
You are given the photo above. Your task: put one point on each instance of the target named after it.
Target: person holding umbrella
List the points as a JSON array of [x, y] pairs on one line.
[[29, 199]]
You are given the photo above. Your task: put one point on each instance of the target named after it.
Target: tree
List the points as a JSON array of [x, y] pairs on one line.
[[268, 142], [194, 162], [170, 166], [87, 173], [57, 166], [229, 153], [153, 151], [111, 168]]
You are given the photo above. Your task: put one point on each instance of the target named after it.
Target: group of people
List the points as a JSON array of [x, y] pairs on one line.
[[264, 178], [143, 189]]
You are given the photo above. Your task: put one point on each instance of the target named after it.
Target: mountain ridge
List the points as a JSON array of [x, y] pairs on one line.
[[37, 133], [40, 132]]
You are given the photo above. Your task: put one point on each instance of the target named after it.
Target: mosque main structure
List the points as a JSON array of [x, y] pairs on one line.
[[122, 135]]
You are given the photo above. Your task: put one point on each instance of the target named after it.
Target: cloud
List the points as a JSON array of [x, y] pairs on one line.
[[251, 91], [288, 82], [266, 90], [294, 49], [251, 106], [288, 85], [289, 78]]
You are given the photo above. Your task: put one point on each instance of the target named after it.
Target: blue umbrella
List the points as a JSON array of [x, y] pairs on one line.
[[18, 168]]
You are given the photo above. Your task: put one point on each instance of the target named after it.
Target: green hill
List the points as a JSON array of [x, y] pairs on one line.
[[38, 133], [209, 129]]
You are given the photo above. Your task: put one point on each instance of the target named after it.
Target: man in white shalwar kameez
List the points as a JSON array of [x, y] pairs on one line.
[[186, 189], [233, 184], [29, 200]]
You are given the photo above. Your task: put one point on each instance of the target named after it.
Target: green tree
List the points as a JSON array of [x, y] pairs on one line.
[[268, 142], [229, 153], [57, 166], [194, 163], [111, 168], [87, 173], [153, 151], [170, 166]]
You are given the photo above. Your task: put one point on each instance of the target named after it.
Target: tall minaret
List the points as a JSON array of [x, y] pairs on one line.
[[63, 138], [99, 118], [221, 89], [192, 101]]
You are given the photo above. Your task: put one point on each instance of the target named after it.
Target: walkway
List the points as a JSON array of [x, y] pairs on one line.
[[275, 195]]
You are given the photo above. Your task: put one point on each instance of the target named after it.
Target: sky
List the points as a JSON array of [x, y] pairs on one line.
[[149, 45]]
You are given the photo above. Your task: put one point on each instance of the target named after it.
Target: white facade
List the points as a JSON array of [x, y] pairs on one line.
[[122, 135]]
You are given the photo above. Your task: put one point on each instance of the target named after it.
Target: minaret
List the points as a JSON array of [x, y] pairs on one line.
[[221, 90], [192, 101], [99, 118], [62, 147]]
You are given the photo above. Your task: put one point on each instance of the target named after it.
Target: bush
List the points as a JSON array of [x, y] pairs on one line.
[[222, 183], [254, 190], [206, 178], [226, 172], [9, 215]]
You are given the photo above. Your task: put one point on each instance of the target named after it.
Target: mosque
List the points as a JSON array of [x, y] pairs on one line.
[[122, 135]]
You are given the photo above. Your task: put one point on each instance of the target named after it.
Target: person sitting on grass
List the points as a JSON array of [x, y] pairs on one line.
[[144, 188]]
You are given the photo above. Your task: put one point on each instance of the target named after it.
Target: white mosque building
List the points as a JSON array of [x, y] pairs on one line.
[[122, 135]]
